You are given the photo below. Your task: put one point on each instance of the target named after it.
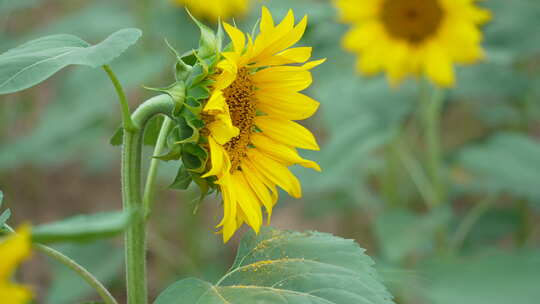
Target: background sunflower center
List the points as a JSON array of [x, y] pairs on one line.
[[240, 97], [413, 20]]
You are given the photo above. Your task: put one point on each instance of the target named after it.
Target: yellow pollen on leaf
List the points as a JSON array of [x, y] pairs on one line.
[[412, 20], [240, 97]]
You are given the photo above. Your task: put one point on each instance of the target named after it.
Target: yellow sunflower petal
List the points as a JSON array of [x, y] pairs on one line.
[[14, 294], [293, 106], [438, 66], [284, 78], [238, 38], [286, 132], [14, 249], [259, 188], [276, 172], [229, 208], [293, 55], [220, 161], [281, 153], [267, 22], [248, 201]]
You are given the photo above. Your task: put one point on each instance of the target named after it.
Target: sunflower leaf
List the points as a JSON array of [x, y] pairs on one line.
[[290, 268], [183, 179], [37, 60], [82, 227], [208, 44]]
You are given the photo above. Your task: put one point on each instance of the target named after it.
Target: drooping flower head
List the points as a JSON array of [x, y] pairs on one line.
[[413, 37], [249, 119], [14, 249], [216, 9]]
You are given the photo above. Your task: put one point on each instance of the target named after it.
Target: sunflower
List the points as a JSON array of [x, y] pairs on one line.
[[216, 9], [413, 37], [13, 250], [249, 119]]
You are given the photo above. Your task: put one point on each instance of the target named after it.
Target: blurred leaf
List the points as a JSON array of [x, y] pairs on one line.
[[4, 216], [37, 60], [81, 135], [288, 267], [82, 227], [182, 180], [507, 162], [402, 232], [493, 278], [102, 259]]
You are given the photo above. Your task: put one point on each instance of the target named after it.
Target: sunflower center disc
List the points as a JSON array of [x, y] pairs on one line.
[[240, 97], [412, 20]]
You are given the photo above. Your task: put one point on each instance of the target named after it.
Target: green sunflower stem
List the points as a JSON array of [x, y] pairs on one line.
[[81, 271], [124, 106], [432, 100], [77, 268], [149, 187], [135, 236]]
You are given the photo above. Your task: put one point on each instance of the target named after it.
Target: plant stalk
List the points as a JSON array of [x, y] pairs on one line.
[[78, 269], [432, 100], [135, 236], [149, 187], [81, 271], [124, 106]]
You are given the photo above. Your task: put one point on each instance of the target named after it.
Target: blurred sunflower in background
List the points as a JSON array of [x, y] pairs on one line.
[[249, 119], [14, 249], [216, 9], [413, 37]]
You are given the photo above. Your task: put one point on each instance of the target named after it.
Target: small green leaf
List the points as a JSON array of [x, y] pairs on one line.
[[82, 227], [183, 179], [117, 138], [37, 60], [208, 44], [286, 267]]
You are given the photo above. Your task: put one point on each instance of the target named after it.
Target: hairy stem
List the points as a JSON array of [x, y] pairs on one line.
[[124, 106], [149, 187], [135, 237]]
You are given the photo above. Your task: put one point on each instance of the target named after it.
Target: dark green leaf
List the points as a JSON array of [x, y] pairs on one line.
[[183, 179], [289, 267], [82, 227], [37, 60]]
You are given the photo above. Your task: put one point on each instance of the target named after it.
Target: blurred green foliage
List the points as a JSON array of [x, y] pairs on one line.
[[482, 247]]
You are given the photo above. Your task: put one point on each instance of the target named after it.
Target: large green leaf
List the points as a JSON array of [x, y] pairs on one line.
[[37, 60], [508, 162], [289, 267], [82, 227]]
